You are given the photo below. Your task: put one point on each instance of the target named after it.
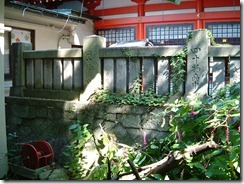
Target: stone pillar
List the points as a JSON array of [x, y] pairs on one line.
[[3, 137], [197, 63], [18, 62], [91, 65]]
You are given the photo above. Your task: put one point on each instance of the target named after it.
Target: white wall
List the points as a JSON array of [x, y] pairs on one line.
[[50, 38]]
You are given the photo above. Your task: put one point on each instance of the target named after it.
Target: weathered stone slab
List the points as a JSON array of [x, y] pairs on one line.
[[108, 76], [224, 51], [29, 73], [47, 73], [121, 75], [113, 52], [57, 74], [130, 121], [38, 74], [163, 76], [235, 69], [55, 53], [91, 60], [68, 74], [92, 78], [134, 71], [148, 73], [197, 66], [218, 70], [78, 77], [19, 63]]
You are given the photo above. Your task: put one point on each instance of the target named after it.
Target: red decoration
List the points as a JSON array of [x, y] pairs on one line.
[[91, 5]]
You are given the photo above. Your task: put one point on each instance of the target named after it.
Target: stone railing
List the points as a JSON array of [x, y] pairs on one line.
[[66, 74], [207, 66], [43, 73], [122, 66], [75, 74]]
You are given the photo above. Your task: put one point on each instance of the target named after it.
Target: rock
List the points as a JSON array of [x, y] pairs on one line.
[[56, 174]]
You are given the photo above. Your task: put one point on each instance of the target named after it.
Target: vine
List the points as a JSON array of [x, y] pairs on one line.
[[127, 53], [134, 97]]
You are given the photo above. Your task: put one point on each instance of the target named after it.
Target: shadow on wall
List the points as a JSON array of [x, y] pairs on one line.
[[42, 119]]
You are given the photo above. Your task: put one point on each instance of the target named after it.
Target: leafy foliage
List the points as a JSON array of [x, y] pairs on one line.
[[81, 136], [112, 156], [191, 122], [199, 121], [135, 97]]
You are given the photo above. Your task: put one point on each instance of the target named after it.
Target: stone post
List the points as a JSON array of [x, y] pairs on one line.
[[18, 62], [3, 137], [91, 65], [197, 64]]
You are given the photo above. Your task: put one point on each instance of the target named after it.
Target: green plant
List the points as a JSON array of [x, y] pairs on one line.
[[111, 160], [203, 144], [196, 123], [134, 97], [178, 62], [127, 53], [113, 157], [81, 135]]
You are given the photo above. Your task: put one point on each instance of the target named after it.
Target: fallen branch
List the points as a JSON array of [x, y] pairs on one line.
[[173, 159], [135, 171]]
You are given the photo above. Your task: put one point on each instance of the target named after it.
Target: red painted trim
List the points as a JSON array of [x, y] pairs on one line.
[[116, 11], [221, 15], [169, 6], [148, 8], [168, 18], [150, 19], [115, 22], [221, 3]]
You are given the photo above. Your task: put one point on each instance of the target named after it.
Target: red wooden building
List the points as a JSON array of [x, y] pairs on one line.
[[162, 22]]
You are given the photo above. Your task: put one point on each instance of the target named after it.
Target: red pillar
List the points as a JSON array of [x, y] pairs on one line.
[[140, 14], [199, 11]]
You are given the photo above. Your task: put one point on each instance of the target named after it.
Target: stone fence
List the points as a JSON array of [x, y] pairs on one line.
[[75, 74]]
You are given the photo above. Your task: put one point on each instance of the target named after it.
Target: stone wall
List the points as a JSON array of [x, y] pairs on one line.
[[43, 119]]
